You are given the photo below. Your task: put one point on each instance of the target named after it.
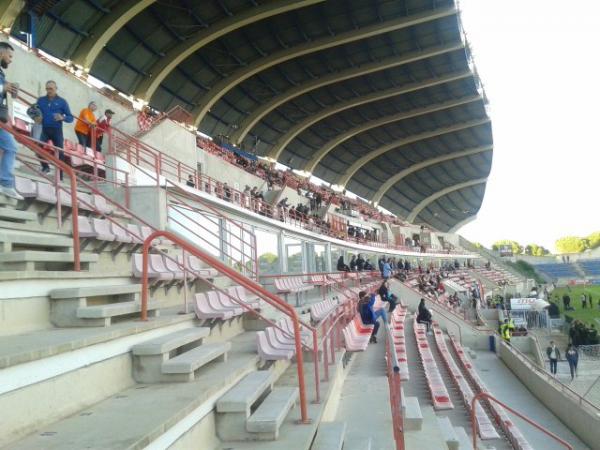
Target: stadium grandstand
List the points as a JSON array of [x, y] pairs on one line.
[[233, 225]]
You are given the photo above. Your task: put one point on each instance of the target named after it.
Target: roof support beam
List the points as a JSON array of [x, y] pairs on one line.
[[9, 11], [89, 49], [349, 173], [426, 201], [387, 63], [462, 223], [291, 134], [164, 66], [225, 85], [333, 143], [429, 162]]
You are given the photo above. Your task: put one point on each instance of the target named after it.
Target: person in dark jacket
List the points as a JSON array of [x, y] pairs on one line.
[[368, 315], [387, 296], [360, 263], [424, 315], [341, 265], [353, 263], [573, 358], [55, 111]]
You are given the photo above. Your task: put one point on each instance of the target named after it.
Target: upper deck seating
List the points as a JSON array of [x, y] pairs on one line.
[[591, 267], [557, 270]]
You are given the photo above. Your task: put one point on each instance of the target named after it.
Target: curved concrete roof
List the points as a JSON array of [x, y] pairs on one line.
[[376, 95]]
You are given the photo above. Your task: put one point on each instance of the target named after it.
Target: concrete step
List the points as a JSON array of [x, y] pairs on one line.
[[102, 315], [184, 366], [448, 433], [413, 418], [330, 436], [17, 216], [8, 201], [269, 416], [40, 260], [11, 238], [95, 291], [170, 342], [246, 392]]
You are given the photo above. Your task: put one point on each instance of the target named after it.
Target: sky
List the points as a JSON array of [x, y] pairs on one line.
[[540, 64]]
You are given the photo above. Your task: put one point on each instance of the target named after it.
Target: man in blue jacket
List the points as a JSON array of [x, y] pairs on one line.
[[55, 111], [8, 145], [368, 315]]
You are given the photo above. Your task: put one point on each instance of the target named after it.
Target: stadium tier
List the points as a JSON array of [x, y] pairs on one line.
[[591, 267], [194, 253], [558, 270]]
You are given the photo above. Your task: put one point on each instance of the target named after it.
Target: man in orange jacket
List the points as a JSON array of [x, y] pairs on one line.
[[83, 127]]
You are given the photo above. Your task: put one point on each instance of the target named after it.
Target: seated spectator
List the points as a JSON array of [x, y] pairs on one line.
[[424, 315], [353, 263], [368, 315], [360, 263], [387, 296], [190, 181], [227, 192], [368, 265], [341, 266]]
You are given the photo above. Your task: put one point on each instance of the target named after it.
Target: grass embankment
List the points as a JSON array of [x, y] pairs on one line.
[[588, 314]]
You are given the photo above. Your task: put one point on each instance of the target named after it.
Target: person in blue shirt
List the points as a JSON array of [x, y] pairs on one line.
[[8, 145], [387, 269], [55, 111], [368, 315]]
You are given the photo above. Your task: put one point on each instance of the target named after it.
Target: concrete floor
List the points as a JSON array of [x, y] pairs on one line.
[[365, 401], [506, 386]]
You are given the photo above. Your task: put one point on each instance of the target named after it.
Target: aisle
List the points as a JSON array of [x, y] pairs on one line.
[[365, 401], [507, 387]]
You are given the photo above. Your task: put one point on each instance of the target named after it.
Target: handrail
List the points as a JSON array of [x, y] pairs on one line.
[[394, 381], [246, 283], [488, 397], [550, 379], [73, 183]]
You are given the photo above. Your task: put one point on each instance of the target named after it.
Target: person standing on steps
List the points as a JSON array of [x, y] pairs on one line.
[[573, 358], [8, 145], [55, 111], [506, 330], [554, 354]]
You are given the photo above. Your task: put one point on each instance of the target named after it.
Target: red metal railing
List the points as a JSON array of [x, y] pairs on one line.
[[490, 398], [393, 374], [246, 283]]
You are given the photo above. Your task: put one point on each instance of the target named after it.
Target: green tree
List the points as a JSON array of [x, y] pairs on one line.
[[570, 244], [517, 248], [594, 240], [536, 250]]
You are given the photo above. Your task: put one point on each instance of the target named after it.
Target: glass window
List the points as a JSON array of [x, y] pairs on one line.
[[201, 229], [319, 258], [336, 252], [266, 249], [293, 249]]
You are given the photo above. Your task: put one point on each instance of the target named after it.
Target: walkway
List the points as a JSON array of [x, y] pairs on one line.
[[365, 401], [506, 386]]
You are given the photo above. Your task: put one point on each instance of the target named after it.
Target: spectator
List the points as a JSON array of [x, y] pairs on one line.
[[35, 113], [553, 311], [554, 354], [353, 263], [360, 263], [368, 315], [55, 111], [573, 358], [8, 145], [190, 181], [85, 122], [341, 266], [387, 270], [387, 296], [227, 192], [368, 265], [103, 126], [424, 315], [583, 301]]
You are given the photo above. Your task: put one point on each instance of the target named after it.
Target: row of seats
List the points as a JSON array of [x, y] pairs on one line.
[[163, 268], [322, 280], [485, 426], [291, 285], [46, 193], [357, 335], [109, 231], [435, 382], [321, 310], [277, 342], [227, 304], [590, 266], [514, 435], [397, 323]]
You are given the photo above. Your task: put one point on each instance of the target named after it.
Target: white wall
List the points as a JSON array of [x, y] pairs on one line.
[[221, 170], [175, 141]]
